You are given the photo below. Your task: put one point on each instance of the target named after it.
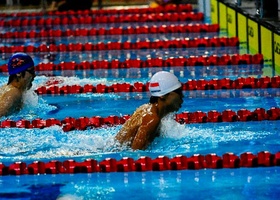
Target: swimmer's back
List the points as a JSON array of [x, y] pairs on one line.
[[143, 118]]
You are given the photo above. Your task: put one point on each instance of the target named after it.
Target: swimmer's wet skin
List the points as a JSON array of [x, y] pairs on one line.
[[143, 126], [22, 73]]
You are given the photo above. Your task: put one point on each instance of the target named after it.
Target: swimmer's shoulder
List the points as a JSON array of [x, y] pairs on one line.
[[144, 109], [10, 94]]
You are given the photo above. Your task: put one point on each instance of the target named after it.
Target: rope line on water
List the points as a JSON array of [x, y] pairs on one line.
[[103, 19], [83, 123], [83, 32], [145, 163], [191, 85], [145, 44], [212, 60]]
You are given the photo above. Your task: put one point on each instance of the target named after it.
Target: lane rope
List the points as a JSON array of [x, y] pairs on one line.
[[83, 32], [191, 85], [212, 60], [145, 44], [145, 163], [84, 123], [103, 19]]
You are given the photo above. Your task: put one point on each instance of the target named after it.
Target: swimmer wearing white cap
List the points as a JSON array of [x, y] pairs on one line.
[[22, 73], [142, 127]]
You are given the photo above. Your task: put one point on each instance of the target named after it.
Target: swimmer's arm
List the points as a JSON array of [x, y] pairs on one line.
[[145, 134], [125, 134]]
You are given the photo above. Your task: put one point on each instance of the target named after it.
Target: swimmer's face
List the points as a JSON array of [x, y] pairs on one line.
[[30, 75], [174, 99]]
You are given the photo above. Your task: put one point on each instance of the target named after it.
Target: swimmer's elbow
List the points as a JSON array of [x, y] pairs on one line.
[[139, 145], [119, 140]]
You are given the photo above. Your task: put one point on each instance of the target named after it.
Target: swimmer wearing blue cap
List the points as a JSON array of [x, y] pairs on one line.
[[143, 126], [22, 73]]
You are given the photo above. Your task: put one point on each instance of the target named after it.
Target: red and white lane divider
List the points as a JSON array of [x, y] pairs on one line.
[[83, 123], [144, 163], [138, 45], [104, 19], [191, 85], [83, 32], [213, 60]]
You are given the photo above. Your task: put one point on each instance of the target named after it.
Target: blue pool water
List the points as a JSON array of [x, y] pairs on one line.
[[52, 143], [206, 184]]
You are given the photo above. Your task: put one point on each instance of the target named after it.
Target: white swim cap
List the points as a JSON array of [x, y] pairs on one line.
[[162, 83]]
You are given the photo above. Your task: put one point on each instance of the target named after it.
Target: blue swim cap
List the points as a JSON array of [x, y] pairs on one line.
[[19, 62]]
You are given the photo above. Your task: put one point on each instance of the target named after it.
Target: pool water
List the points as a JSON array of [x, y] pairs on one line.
[[243, 183], [53, 143]]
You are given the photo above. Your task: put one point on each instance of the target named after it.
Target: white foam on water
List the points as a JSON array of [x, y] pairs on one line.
[[33, 107], [69, 197], [30, 99], [175, 137], [53, 142], [72, 80], [169, 128]]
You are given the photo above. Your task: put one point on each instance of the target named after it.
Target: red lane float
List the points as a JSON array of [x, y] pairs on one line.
[[160, 9], [144, 163], [88, 19], [191, 85], [83, 123], [138, 45], [181, 28], [213, 60]]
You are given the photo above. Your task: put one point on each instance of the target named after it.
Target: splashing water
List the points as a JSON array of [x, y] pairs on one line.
[[33, 107], [72, 80], [169, 128], [215, 137], [30, 99], [53, 143]]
